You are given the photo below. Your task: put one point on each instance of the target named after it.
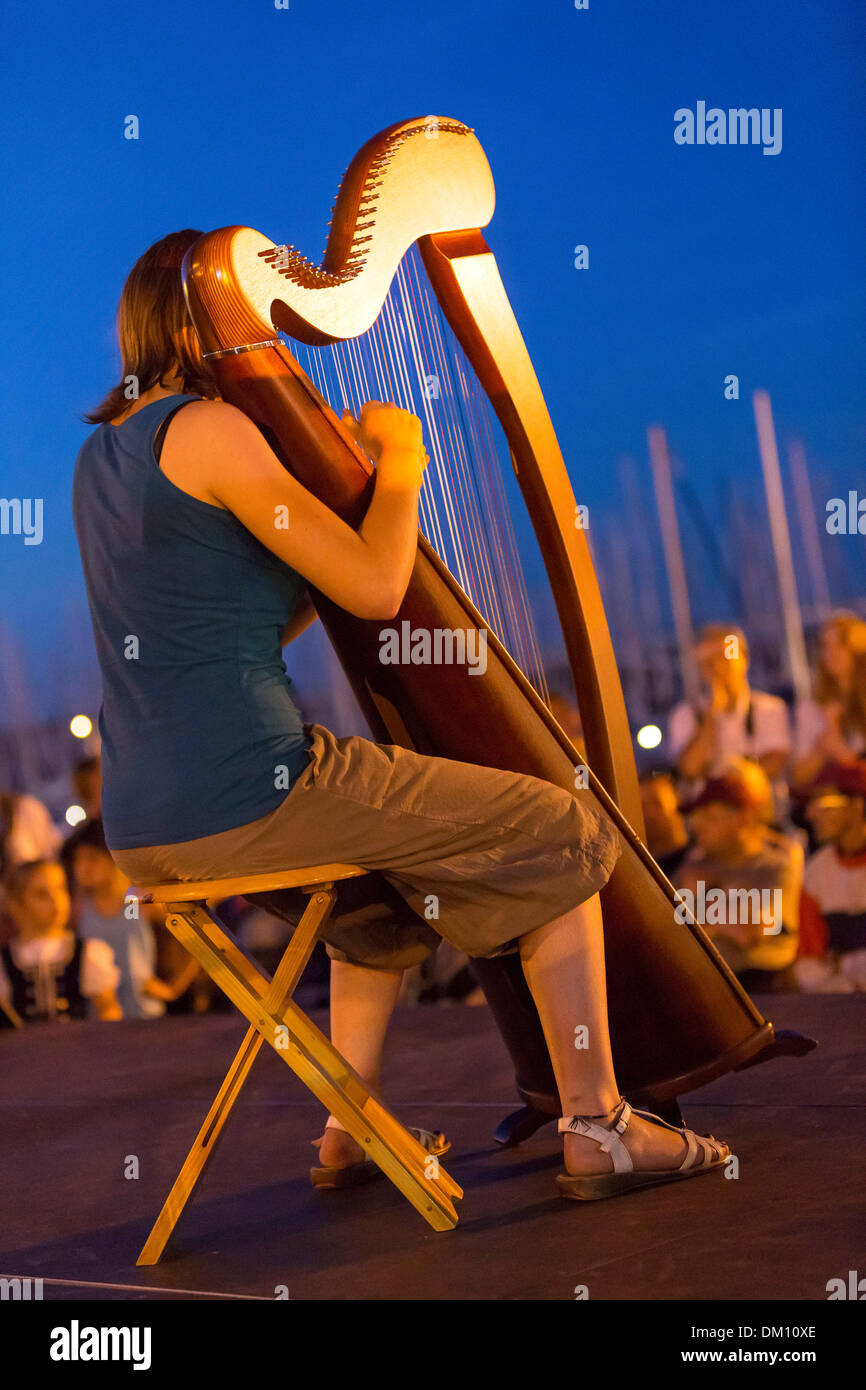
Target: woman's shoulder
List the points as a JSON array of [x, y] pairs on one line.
[[203, 414], [215, 431], [205, 442]]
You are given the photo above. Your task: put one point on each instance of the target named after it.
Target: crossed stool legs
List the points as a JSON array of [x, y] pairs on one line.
[[275, 1019]]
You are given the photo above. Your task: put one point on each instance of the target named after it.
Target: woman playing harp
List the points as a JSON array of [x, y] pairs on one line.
[[195, 582]]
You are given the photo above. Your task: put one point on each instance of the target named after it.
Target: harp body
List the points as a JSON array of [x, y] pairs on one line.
[[678, 1017]]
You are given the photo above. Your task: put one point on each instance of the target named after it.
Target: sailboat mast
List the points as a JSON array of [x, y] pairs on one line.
[[673, 550], [781, 539]]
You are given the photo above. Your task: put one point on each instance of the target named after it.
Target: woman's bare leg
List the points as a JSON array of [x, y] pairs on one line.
[[564, 967], [362, 1002]]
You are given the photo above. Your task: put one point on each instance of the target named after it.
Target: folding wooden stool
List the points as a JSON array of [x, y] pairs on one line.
[[275, 1019]]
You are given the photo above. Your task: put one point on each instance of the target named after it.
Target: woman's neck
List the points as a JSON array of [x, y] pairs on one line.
[[155, 393]]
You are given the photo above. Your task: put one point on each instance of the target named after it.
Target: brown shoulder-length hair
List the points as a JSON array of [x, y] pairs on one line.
[[154, 329], [851, 632]]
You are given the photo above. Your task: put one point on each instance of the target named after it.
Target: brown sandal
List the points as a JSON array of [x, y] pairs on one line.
[[355, 1174], [702, 1154]]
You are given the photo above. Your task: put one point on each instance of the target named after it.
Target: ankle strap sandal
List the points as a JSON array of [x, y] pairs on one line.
[[354, 1174], [702, 1153]]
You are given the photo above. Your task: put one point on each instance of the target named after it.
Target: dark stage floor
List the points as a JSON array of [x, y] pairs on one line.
[[77, 1102]]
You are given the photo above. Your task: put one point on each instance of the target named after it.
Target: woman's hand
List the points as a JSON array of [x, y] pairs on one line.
[[391, 437], [365, 571], [384, 427]]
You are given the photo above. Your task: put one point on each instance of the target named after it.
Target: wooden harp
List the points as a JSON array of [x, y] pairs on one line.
[[678, 1017]]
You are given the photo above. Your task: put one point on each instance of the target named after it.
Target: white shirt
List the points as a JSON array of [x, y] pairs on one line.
[[770, 729], [836, 886], [34, 834], [810, 725], [98, 969]]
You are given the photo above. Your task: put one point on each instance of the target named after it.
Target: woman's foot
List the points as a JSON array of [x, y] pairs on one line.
[[337, 1149], [652, 1147], [343, 1162], [631, 1151]]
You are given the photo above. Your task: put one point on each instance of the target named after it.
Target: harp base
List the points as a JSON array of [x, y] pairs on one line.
[[521, 1124], [511, 1003]]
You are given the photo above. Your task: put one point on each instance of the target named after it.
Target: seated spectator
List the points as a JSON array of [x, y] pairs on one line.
[[27, 831], [46, 972], [833, 905], [87, 779], [742, 880], [831, 728], [757, 784], [666, 835], [731, 719], [106, 914]]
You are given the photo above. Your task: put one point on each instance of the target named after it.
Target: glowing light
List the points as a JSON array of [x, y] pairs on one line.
[[75, 815], [80, 726], [650, 736]]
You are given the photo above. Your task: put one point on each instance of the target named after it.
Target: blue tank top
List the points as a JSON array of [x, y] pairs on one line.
[[199, 729]]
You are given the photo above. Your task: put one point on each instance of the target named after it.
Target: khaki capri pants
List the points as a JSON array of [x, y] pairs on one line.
[[469, 853]]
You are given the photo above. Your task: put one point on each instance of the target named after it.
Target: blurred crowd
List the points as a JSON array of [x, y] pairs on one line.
[[758, 819]]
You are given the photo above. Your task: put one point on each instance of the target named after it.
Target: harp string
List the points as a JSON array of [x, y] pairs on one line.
[[450, 448], [503, 538], [411, 356], [472, 467]]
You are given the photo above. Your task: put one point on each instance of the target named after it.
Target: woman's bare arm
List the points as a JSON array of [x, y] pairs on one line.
[[213, 452]]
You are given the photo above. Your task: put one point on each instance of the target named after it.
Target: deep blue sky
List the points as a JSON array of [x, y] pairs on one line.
[[703, 261]]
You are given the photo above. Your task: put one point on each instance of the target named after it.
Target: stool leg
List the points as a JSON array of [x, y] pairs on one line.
[[205, 1142], [283, 984], [319, 1065]]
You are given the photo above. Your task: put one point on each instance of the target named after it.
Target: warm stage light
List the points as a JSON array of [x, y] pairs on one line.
[[80, 726], [75, 815], [650, 736]]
